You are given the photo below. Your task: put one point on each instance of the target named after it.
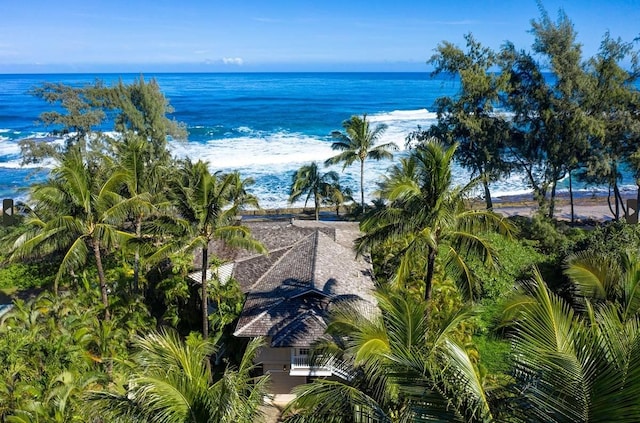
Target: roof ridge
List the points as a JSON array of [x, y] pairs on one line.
[[254, 256], [314, 259]]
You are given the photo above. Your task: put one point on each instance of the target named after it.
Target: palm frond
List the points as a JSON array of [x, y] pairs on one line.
[[594, 278], [333, 401]]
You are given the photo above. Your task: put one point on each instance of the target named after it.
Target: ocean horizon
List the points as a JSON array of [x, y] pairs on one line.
[[264, 124]]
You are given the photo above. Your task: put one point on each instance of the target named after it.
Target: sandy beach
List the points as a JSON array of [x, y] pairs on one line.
[[585, 207]]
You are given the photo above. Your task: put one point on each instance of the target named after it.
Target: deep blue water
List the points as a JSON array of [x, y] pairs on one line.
[[264, 124]]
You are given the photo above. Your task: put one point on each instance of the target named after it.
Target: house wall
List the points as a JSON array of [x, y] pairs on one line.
[[277, 362]]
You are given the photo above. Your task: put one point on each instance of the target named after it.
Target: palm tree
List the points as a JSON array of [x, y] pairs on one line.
[[606, 279], [208, 205], [402, 368], [139, 183], [358, 143], [167, 381], [308, 180], [337, 196], [427, 216], [75, 213], [571, 368]]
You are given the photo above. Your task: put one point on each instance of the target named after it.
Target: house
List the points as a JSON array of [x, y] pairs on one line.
[[311, 267]]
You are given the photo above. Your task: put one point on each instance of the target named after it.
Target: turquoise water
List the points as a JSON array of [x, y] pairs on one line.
[[266, 125]]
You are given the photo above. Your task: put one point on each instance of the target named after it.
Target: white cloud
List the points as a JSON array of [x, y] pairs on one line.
[[232, 61]]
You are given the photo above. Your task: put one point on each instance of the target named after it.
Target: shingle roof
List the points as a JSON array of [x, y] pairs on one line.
[[289, 301]]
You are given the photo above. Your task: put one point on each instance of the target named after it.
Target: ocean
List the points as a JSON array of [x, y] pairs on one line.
[[266, 125]]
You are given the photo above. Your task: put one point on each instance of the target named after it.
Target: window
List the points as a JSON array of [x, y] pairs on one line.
[[303, 351]]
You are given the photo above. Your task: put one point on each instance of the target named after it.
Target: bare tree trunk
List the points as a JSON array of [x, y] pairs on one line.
[[487, 193], [101, 279], [615, 197], [205, 295], [571, 197], [609, 202], [619, 201], [552, 200]]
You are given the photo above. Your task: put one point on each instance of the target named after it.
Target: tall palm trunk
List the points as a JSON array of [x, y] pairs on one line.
[[428, 281], [316, 203], [205, 296], [136, 258], [101, 279], [362, 184]]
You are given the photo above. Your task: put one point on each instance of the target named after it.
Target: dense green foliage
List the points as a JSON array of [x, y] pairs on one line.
[[426, 219], [165, 381], [471, 119], [109, 239], [478, 317], [26, 275], [581, 123]]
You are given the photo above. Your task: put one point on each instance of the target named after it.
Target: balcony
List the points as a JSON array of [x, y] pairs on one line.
[[301, 366]]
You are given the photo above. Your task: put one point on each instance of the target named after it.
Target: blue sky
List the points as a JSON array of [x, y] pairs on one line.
[[276, 35]]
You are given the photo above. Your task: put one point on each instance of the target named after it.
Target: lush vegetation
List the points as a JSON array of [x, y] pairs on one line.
[[109, 329], [478, 317]]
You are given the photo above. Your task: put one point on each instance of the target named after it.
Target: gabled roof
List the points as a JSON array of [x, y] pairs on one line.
[[289, 301]]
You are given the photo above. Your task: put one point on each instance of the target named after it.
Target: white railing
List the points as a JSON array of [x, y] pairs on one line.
[[333, 366], [300, 362]]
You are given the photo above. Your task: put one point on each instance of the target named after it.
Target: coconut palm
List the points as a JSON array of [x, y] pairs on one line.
[[75, 213], [571, 368], [401, 368], [358, 143], [167, 381], [605, 279], [308, 181], [426, 215], [337, 196], [208, 205], [139, 183]]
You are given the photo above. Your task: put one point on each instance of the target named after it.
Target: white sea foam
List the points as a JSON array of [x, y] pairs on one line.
[[400, 123], [272, 157], [275, 150], [17, 164], [7, 147], [403, 115]]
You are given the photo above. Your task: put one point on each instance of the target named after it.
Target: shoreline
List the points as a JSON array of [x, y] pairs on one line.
[[591, 207], [587, 207]]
